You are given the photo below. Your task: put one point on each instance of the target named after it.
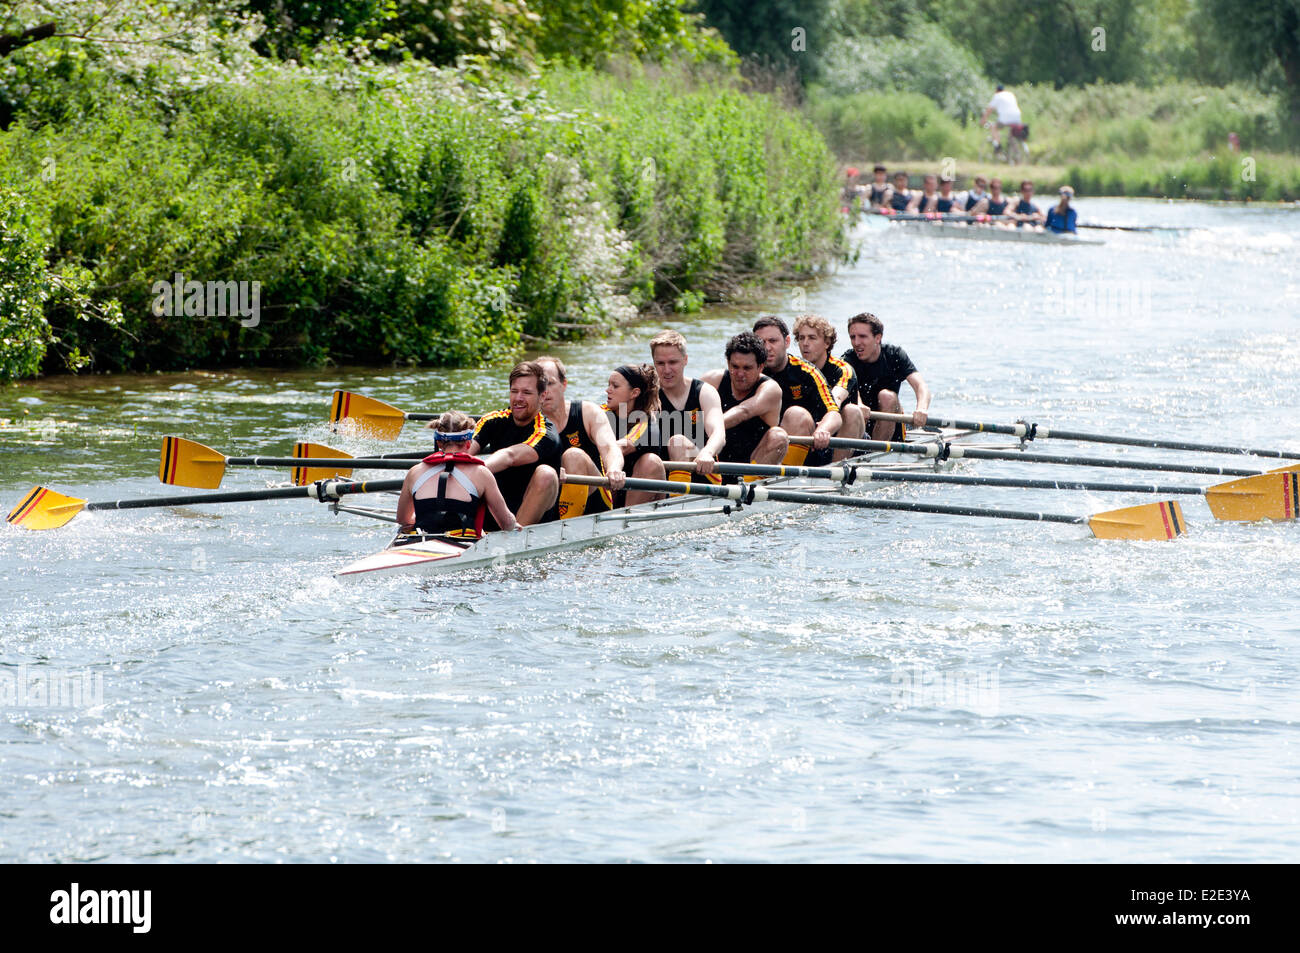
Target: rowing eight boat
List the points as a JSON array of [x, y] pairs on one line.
[[991, 233], [436, 554]]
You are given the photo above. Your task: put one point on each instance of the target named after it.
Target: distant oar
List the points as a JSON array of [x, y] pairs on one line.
[[1246, 500], [186, 463], [1163, 520], [371, 417], [1038, 431], [1134, 228], [43, 508], [956, 451]]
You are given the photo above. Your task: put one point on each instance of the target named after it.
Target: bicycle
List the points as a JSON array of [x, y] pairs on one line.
[[1016, 151]]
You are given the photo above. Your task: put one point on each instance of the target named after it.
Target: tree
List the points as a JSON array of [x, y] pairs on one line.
[[1258, 33]]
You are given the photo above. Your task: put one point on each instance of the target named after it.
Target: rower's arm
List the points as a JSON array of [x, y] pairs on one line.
[[603, 435], [829, 424], [715, 424], [515, 456], [920, 416], [487, 486], [406, 502]]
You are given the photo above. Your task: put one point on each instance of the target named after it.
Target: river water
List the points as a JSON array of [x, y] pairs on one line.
[[812, 685]]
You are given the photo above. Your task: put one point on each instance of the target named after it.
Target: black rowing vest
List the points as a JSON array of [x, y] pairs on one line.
[[574, 433], [671, 420], [441, 514], [743, 439]]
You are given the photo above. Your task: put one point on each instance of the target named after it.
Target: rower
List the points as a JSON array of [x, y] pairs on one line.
[[903, 199], [689, 424], [928, 200], [632, 401], [977, 199], [1025, 211], [751, 404], [449, 491], [587, 441], [523, 448], [816, 337], [880, 190], [807, 405], [997, 202], [946, 201], [1062, 217], [881, 369]]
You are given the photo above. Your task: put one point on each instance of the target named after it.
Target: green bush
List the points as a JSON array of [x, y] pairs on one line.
[[24, 287], [895, 126]]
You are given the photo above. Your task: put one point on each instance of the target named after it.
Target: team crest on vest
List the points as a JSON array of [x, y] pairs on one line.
[[574, 439], [796, 391]]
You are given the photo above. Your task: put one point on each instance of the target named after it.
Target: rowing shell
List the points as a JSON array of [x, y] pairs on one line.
[[991, 233], [429, 555]]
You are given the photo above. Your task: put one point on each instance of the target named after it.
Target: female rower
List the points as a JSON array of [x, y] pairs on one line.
[[449, 490], [632, 398]]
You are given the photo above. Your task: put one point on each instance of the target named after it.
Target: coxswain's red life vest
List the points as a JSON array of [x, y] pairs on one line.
[[440, 514]]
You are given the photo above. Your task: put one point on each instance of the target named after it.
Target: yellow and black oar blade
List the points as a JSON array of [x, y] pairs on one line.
[[1269, 496], [367, 416], [1163, 520], [42, 508], [303, 475], [1292, 468], [186, 463]]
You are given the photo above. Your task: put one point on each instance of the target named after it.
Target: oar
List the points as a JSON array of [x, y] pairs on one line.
[[186, 463], [1163, 520], [43, 508], [372, 417], [1134, 228], [939, 217], [955, 451], [1036, 431], [1246, 500]]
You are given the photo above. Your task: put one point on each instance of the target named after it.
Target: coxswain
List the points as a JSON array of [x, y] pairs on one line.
[[689, 424], [751, 404], [807, 406], [881, 370], [880, 191], [587, 441], [523, 448], [1025, 211], [1062, 217], [450, 491], [816, 338]]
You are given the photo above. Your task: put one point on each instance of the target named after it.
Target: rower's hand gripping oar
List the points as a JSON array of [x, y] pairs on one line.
[[1162, 520], [1253, 498], [186, 463], [43, 508], [1038, 431]]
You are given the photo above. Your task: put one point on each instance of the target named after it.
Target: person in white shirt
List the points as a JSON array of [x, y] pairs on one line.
[[1008, 110]]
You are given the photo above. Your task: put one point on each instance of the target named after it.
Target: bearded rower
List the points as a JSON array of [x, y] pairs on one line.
[[689, 424], [816, 337], [881, 370], [751, 404], [807, 405], [523, 448], [450, 491]]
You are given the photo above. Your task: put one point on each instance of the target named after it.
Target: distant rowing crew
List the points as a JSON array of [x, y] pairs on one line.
[[985, 198], [506, 471]]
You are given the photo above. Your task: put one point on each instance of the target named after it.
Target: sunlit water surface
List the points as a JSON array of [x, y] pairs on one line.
[[810, 685]]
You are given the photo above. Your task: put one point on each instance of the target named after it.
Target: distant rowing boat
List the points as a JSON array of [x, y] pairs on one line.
[[991, 233], [436, 554]]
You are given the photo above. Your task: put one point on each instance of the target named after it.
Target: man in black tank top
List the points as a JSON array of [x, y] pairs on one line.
[[751, 404], [807, 406], [689, 425], [587, 441]]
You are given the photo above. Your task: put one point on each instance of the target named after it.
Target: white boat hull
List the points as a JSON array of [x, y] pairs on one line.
[[991, 233], [440, 554]]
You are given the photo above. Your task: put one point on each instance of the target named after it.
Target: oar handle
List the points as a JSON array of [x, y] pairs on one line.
[[879, 446], [319, 463]]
